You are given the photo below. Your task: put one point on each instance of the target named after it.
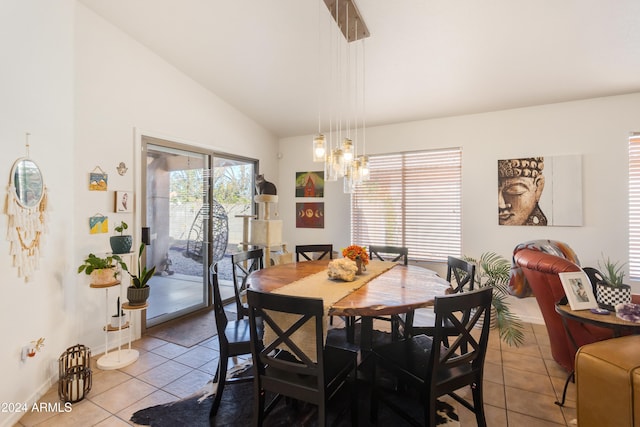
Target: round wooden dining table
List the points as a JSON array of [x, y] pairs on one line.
[[400, 289]]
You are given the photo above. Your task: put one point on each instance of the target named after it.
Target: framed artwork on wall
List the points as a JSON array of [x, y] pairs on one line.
[[310, 215], [98, 180], [98, 224], [123, 201], [310, 184], [540, 191]]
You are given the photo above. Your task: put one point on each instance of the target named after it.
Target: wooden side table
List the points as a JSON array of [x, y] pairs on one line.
[[608, 320]]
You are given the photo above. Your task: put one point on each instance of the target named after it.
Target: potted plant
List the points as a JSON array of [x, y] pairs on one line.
[[121, 244], [101, 269], [138, 291], [494, 270], [612, 291]]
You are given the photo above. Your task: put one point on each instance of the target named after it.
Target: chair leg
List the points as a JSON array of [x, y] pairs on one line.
[[354, 398], [430, 412], [350, 328], [395, 327], [258, 405], [221, 377], [373, 400], [322, 413], [570, 377], [478, 403]]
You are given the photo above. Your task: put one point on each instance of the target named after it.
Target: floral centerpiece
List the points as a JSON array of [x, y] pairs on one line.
[[354, 252]]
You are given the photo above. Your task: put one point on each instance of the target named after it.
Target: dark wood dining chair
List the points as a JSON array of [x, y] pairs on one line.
[[433, 368], [308, 371], [307, 251], [243, 264], [461, 275], [234, 337], [389, 253]]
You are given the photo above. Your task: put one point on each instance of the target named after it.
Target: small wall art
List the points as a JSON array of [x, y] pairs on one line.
[[310, 215], [310, 184], [98, 180], [98, 224], [124, 201]]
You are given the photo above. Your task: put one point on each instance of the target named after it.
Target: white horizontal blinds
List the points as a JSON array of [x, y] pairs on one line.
[[412, 199], [634, 206]]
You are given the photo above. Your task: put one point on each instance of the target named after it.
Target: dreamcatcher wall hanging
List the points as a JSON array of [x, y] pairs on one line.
[[26, 208]]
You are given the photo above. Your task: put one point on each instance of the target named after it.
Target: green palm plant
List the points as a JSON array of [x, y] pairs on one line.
[[494, 270], [140, 280]]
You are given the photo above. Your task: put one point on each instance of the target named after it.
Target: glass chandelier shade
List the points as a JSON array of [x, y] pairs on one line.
[[364, 168], [319, 148], [347, 149]]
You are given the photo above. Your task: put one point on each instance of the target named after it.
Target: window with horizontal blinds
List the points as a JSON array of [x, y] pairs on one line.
[[634, 206], [412, 199]]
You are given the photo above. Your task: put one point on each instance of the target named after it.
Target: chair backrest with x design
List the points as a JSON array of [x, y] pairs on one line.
[[306, 250], [461, 274], [462, 361], [288, 365], [389, 253], [243, 264], [445, 363]]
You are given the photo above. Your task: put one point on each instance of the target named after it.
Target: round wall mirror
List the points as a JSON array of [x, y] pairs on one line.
[[27, 180]]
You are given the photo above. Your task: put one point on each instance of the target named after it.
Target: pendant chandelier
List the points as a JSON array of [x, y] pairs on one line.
[[343, 152]]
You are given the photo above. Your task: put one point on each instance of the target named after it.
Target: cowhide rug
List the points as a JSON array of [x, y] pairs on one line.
[[236, 409]]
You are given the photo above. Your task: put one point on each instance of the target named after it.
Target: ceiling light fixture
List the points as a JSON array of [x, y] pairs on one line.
[[343, 158]]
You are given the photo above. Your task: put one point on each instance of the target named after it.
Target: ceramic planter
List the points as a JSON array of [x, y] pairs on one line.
[[138, 296], [116, 320], [103, 276], [121, 244], [609, 296]]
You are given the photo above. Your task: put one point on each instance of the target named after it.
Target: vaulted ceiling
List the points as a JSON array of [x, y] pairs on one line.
[[424, 58]]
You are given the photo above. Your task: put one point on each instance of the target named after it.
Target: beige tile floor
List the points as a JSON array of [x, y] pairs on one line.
[[521, 385]]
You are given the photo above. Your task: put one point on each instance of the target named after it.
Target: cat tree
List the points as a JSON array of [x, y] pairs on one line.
[[266, 232]]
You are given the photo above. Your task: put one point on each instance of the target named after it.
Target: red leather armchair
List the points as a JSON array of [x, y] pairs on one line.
[[541, 271]]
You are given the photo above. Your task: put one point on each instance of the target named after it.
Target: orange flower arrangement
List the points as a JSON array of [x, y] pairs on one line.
[[354, 251]]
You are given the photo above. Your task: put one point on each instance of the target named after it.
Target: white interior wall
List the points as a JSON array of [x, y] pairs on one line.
[[85, 90], [124, 90], [598, 129], [36, 82]]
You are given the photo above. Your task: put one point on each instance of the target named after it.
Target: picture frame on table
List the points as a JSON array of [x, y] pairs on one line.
[[578, 289]]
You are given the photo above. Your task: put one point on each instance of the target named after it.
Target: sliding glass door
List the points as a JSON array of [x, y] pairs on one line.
[[177, 212], [196, 216]]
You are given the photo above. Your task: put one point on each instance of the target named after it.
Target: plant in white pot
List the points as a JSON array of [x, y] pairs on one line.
[[612, 290], [138, 291], [121, 244], [494, 270], [101, 269]]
